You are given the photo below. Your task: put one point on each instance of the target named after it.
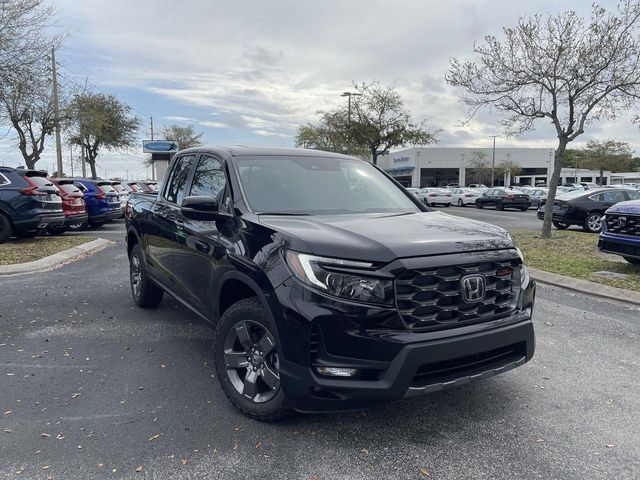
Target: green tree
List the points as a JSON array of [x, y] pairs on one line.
[[186, 137], [376, 123], [99, 122], [560, 68], [381, 122], [604, 155]]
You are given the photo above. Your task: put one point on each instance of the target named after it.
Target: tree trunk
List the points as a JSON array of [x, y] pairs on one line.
[[601, 177], [374, 156], [558, 161]]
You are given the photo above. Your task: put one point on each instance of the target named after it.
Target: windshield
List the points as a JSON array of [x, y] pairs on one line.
[[318, 185]]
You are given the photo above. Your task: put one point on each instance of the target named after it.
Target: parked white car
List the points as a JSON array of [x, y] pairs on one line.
[[465, 196], [435, 196]]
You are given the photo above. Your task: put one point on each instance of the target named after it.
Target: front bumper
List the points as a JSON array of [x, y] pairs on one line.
[[393, 362], [619, 244]]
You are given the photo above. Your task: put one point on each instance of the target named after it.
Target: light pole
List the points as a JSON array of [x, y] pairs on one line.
[[493, 159], [349, 95], [463, 178]]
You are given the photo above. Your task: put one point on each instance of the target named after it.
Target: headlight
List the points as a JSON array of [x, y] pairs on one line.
[[321, 273]]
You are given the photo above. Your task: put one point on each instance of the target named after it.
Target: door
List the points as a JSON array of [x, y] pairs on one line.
[[161, 228], [200, 248]]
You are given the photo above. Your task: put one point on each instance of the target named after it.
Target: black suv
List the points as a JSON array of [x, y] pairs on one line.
[[29, 203], [330, 287]]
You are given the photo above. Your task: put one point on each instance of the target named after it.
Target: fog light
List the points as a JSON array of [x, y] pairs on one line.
[[337, 372]]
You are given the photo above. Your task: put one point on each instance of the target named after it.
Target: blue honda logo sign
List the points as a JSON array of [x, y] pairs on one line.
[[159, 146], [473, 288]]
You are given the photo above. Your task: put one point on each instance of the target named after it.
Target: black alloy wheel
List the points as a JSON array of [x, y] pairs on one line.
[[499, 205], [247, 360], [251, 361]]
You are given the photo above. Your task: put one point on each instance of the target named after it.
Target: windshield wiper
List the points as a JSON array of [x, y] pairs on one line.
[[289, 214]]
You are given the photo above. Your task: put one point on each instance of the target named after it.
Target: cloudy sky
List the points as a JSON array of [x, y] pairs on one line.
[[249, 72]]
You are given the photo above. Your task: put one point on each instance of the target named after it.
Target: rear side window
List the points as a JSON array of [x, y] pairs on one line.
[[208, 179], [177, 184], [68, 188], [81, 187], [41, 181], [107, 188], [633, 195], [4, 180]]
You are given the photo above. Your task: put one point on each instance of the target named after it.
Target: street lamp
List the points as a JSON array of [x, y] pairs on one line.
[[463, 178], [349, 95]]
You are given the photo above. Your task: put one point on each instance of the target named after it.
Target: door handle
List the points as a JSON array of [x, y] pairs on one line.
[[202, 247]]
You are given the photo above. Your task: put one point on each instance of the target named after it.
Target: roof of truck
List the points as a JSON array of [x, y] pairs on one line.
[[242, 151]]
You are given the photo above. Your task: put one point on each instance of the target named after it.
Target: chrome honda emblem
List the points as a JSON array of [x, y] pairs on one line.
[[622, 222], [473, 288]]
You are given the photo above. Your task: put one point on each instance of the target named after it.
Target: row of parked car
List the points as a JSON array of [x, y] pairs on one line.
[[32, 203]]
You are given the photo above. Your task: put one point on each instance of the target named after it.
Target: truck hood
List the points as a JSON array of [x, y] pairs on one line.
[[384, 237], [630, 207]]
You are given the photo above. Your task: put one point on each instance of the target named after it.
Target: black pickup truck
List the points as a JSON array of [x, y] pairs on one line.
[[329, 286]]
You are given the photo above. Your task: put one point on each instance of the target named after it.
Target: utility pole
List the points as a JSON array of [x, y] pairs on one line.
[[71, 159], [151, 118], [56, 111], [493, 160], [83, 160]]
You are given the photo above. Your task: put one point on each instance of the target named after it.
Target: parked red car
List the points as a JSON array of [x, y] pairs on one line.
[[73, 205]]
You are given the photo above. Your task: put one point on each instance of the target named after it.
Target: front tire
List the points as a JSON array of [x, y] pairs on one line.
[[247, 359], [5, 229], [632, 260], [460, 203], [593, 222], [479, 205], [499, 206], [145, 293]]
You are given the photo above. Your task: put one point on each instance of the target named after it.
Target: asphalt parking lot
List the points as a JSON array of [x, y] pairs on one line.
[[509, 219], [92, 387]]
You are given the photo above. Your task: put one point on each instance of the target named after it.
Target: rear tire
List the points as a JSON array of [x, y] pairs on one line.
[[28, 234], [560, 225], [96, 224], [499, 206], [633, 261], [253, 387], [145, 293], [479, 205], [524, 209], [592, 223], [460, 203], [5, 228], [57, 230]]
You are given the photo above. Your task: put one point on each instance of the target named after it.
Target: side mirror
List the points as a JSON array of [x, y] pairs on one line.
[[202, 208]]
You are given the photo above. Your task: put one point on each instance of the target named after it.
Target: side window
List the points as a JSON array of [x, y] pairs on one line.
[[633, 195], [3, 180], [209, 178], [177, 183]]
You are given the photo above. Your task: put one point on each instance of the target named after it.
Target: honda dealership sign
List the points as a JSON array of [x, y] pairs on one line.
[[159, 146]]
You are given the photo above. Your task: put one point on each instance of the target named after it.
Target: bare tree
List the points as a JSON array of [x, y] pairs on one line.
[[508, 169], [24, 37], [479, 168], [563, 68]]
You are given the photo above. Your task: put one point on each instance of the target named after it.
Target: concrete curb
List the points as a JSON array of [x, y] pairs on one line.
[[583, 286], [57, 259]]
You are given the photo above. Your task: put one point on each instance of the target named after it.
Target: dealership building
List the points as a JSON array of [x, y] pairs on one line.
[[436, 166]]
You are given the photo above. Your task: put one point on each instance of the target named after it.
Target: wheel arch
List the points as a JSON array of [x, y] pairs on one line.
[[235, 286]]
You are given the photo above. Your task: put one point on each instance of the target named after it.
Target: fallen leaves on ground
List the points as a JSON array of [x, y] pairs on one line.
[[138, 468], [424, 472]]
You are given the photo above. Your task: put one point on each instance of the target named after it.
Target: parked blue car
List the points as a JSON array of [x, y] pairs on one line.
[[103, 201], [29, 203], [620, 233]]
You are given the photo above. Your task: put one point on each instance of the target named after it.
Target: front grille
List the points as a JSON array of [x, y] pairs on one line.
[[431, 299], [623, 224], [440, 372]]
